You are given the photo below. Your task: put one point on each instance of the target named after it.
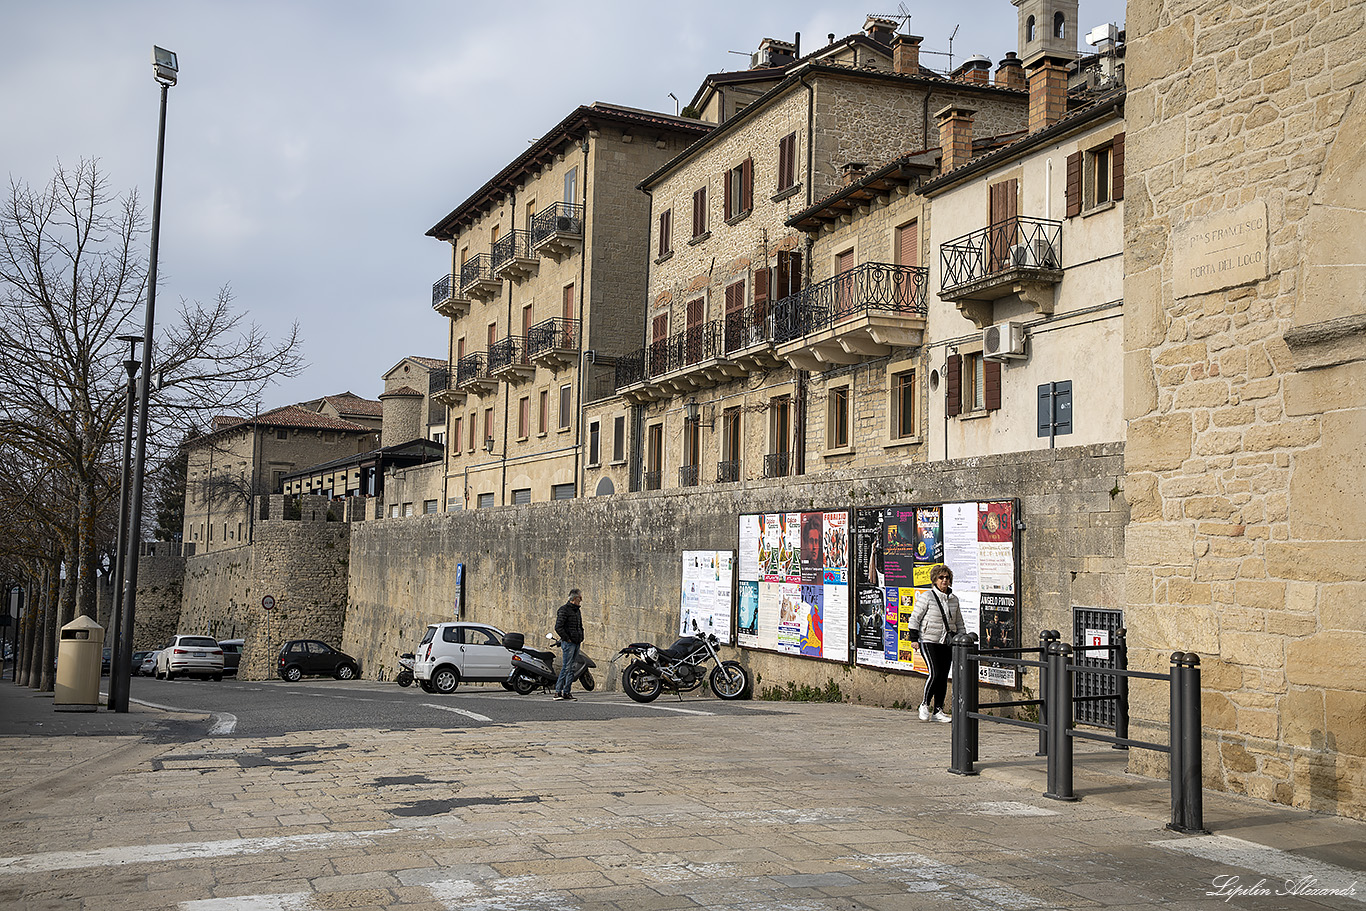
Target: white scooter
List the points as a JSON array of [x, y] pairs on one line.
[[533, 669]]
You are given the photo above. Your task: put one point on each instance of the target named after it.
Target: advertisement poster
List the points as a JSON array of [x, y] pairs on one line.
[[790, 558], [929, 540], [794, 597], [813, 548], [835, 547], [751, 556], [747, 615], [813, 603], [791, 617], [898, 546], [706, 592], [960, 544], [771, 554], [995, 547]]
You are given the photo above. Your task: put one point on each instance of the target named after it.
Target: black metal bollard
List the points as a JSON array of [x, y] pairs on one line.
[[1121, 688], [1186, 760], [1060, 722], [1045, 636], [963, 737]]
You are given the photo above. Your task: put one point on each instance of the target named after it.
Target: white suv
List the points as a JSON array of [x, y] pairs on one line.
[[452, 652], [191, 656]]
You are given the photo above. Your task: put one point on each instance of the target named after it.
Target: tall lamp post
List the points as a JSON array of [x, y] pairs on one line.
[[118, 685], [164, 69]]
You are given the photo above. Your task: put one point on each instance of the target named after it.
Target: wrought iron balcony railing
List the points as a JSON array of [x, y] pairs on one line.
[[508, 352], [512, 245], [1020, 243], [471, 368], [747, 327], [441, 289], [728, 471], [558, 334], [687, 476], [652, 480], [630, 369], [777, 464], [560, 218], [476, 269], [871, 287]]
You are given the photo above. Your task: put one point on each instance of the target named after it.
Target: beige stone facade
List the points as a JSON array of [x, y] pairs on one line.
[[1245, 363], [411, 410]]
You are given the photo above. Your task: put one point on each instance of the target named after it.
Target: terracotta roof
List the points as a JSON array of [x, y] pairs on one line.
[[354, 404], [401, 391], [428, 361], [286, 416]]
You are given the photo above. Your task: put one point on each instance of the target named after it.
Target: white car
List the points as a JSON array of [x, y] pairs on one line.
[[197, 656], [148, 667], [452, 652]]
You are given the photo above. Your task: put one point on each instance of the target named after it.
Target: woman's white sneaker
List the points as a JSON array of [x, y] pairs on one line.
[[924, 713], [940, 716]]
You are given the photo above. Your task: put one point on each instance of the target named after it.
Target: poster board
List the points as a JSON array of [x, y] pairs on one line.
[[708, 576], [794, 583]]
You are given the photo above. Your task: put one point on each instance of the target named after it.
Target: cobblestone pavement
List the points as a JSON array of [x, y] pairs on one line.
[[798, 807]]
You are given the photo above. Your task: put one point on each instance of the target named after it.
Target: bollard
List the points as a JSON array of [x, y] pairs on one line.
[[1122, 688], [1174, 755], [1045, 636], [963, 737], [1060, 722], [1186, 760]]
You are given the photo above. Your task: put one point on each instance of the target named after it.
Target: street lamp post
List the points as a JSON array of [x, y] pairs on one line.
[[164, 69], [118, 674]]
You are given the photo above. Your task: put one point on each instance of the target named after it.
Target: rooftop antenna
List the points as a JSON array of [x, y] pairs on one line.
[[902, 16], [951, 37]]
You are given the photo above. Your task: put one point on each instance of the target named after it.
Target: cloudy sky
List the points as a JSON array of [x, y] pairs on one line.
[[310, 145]]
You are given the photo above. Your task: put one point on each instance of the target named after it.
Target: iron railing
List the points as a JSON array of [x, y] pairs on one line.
[[441, 289], [508, 352], [871, 286], [476, 268], [777, 464], [471, 367], [677, 352], [687, 476], [747, 327], [728, 471], [652, 480], [630, 369], [560, 218], [558, 334], [1016, 243], [512, 245]]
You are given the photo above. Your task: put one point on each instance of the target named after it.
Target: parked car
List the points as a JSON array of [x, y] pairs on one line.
[[135, 666], [452, 652], [148, 667], [197, 656], [105, 660], [300, 657], [232, 655]]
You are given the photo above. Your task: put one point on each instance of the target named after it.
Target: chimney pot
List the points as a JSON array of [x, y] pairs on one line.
[[1010, 73], [955, 136], [906, 55]]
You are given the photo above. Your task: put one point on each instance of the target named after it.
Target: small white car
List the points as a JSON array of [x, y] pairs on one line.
[[452, 652], [197, 656], [148, 667]]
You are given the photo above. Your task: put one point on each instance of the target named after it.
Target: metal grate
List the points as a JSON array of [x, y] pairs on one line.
[[1087, 623]]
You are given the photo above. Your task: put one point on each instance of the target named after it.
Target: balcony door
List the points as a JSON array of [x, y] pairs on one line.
[[844, 287], [908, 257], [692, 342], [654, 456], [1003, 214]]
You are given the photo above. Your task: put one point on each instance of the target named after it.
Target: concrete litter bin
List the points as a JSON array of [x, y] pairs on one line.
[[79, 653]]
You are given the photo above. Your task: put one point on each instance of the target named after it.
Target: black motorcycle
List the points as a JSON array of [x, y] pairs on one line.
[[533, 669], [405, 674], [682, 667]]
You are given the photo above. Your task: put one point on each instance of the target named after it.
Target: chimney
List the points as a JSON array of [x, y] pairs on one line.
[[1010, 73], [977, 70], [1047, 93], [853, 172], [906, 55], [879, 29], [955, 136]]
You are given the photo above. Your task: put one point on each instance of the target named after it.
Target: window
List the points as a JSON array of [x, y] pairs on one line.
[[472, 431], [619, 439], [562, 491], [779, 437], [972, 384], [837, 418], [567, 303], [526, 320], [428, 507], [1095, 177], [571, 185], [787, 276], [903, 405], [1059, 25], [282, 434], [485, 501], [460, 349], [787, 162], [594, 442], [739, 184], [492, 334], [523, 417], [488, 426], [728, 469], [566, 403], [654, 456], [666, 227], [457, 435], [393, 510], [407, 510], [543, 413], [692, 446], [699, 212], [692, 342], [521, 496], [1030, 29]]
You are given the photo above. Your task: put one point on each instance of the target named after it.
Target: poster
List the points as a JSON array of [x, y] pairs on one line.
[[706, 592]]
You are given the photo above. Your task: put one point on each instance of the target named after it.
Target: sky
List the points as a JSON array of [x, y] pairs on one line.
[[310, 145]]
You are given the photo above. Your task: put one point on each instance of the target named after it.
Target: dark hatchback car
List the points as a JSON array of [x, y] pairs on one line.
[[300, 657]]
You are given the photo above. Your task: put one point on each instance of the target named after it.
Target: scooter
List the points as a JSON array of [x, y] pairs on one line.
[[405, 674], [533, 669]]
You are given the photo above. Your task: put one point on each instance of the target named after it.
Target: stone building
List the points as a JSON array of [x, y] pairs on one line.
[[411, 410], [720, 386], [1244, 371], [242, 458], [545, 290]]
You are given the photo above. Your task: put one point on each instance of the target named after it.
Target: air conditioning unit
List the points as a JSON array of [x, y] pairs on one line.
[[1003, 340], [1020, 255], [564, 224]]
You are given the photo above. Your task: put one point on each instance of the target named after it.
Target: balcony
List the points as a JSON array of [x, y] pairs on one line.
[[446, 297], [554, 343], [684, 362], [558, 230], [687, 476], [652, 479], [477, 281], [512, 256], [445, 391], [1019, 257], [748, 338], [472, 374], [728, 472], [855, 316], [777, 464], [508, 360]]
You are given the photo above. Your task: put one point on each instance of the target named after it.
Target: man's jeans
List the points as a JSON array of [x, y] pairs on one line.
[[569, 654]]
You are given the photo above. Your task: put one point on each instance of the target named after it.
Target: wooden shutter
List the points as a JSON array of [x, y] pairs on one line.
[[1074, 184], [908, 245], [695, 313], [747, 184], [568, 301], [728, 191], [735, 297], [1117, 164], [761, 282], [1003, 216], [699, 212], [991, 385], [953, 385], [660, 330], [784, 162], [664, 240]]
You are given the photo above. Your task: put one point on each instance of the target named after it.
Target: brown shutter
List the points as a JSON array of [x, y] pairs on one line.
[[992, 385], [747, 184], [784, 157], [660, 329], [1073, 184], [699, 212], [1117, 164], [761, 282], [908, 245], [953, 385], [727, 193]]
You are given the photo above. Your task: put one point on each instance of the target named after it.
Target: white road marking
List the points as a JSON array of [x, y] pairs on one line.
[[447, 708], [158, 854], [1278, 868], [672, 708], [169, 708], [223, 723], [297, 901]]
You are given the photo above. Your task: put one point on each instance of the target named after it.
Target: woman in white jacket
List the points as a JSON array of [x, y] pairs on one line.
[[936, 617]]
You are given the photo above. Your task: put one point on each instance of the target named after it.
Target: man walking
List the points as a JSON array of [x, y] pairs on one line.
[[569, 628]]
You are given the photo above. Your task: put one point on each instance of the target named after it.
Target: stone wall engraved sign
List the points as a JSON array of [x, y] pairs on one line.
[[1221, 250]]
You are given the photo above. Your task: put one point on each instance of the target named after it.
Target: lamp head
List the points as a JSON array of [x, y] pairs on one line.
[[164, 66]]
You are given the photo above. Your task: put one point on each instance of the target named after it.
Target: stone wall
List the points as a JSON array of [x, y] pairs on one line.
[[1244, 372], [625, 551], [161, 572]]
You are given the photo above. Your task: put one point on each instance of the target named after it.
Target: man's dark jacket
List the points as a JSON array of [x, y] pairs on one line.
[[569, 623]]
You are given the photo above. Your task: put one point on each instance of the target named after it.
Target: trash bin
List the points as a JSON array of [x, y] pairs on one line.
[[79, 653]]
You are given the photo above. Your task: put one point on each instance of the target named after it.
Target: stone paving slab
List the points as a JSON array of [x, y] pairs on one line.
[[801, 808]]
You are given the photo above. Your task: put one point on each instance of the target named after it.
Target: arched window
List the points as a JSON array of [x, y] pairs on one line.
[[1059, 26], [1029, 29]]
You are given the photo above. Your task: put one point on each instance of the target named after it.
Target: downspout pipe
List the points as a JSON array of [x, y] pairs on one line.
[[507, 390], [583, 338]]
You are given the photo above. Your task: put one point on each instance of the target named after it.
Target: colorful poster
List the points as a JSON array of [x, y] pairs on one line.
[[772, 556], [898, 546], [813, 548], [791, 617], [790, 557], [835, 547], [929, 540], [995, 522], [747, 614], [813, 629]]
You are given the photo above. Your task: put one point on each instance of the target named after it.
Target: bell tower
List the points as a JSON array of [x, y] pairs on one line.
[[1048, 28]]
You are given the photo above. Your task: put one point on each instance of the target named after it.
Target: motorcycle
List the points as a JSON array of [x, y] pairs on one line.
[[533, 669], [681, 668], [405, 674]]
